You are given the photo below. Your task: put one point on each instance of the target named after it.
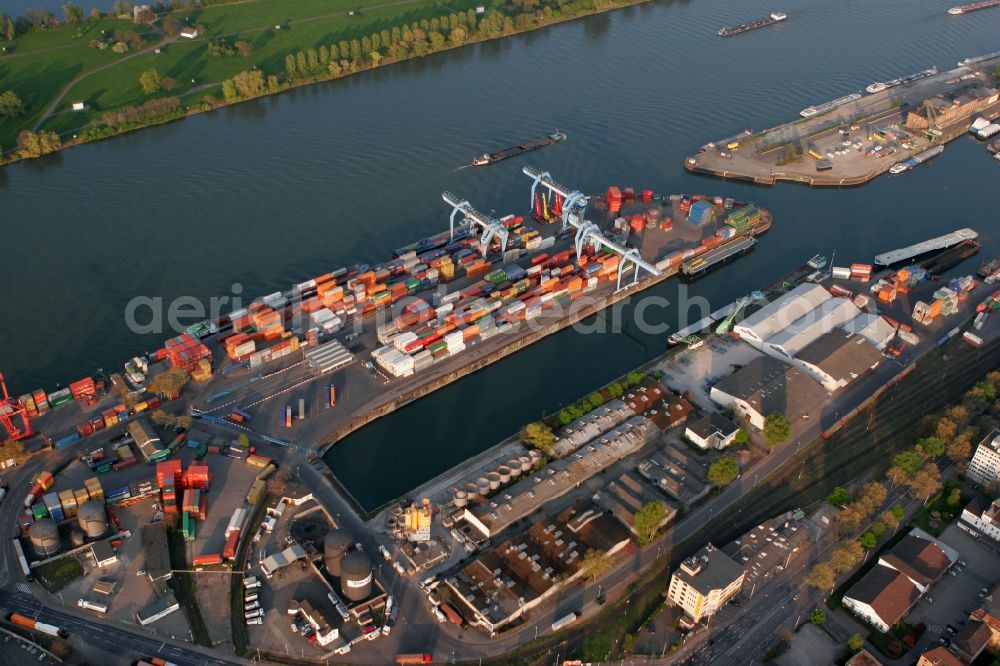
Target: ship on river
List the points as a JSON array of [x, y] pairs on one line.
[[811, 111], [730, 30], [916, 160], [910, 78], [519, 149], [971, 7]]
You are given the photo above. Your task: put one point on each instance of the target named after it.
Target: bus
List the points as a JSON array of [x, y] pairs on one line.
[[565, 621], [21, 560]]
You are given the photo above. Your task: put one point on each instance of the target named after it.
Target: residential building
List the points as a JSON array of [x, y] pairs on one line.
[[989, 614], [704, 583], [939, 656], [766, 386], [677, 410], [971, 639], [189, 33], [863, 658], [984, 468], [837, 358], [325, 634], [712, 431], [502, 584], [921, 558], [766, 550], [882, 597], [981, 518]]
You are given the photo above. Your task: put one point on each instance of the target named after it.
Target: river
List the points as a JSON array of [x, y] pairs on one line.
[[275, 191]]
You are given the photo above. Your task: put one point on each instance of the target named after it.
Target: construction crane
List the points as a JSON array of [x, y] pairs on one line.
[[491, 227], [725, 324], [574, 206], [11, 409], [933, 131]]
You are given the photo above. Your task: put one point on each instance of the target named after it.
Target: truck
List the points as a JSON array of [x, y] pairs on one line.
[[414, 658], [565, 621], [452, 615], [92, 605], [27, 622]]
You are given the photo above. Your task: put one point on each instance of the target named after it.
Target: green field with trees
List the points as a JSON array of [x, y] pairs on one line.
[[134, 73]]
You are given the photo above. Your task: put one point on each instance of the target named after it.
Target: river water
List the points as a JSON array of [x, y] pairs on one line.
[[275, 191]]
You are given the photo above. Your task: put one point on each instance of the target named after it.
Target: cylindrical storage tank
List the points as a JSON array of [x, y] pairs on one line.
[[397, 511], [356, 576], [461, 498], [525, 462], [91, 517], [44, 536], [494, 479], [534, 455], [471, 489], [504, 473], [335, 544], [483, 485], [515, 468], [76, 539]]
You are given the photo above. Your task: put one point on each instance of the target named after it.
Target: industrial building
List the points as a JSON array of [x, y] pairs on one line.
[[159, 609], [417, 521], [981, 518], [984, 468], [712, 431], [767, 386], [103, 553], [522, 498], [626, 495], [574, 435], [290, 555], [703, 584], [777, 315], [950, 107], [502, 584], [873, 327], [669, 470], [837, 358], [154, 546], [44, 537], [766, 550], [796, 336], [145, 439]]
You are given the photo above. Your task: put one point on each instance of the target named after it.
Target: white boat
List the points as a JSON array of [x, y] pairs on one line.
[[811, 111], [909, 78], [939, 243], [899, 167]]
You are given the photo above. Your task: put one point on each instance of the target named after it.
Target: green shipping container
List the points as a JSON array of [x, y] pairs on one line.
[[412, 283], [202, 451], [438, 346], [39, 511]]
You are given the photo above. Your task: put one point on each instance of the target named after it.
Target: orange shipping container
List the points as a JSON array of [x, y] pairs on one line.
[[935, 308]]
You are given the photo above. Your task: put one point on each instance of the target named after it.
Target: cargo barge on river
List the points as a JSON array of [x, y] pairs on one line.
[[519, 149], [356, 343], [731, 30], [973, 6]]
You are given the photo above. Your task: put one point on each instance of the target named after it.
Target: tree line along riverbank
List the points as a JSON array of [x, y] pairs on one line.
[[175, 63]]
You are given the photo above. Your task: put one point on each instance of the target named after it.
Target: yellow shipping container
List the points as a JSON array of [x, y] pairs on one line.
[[82, 495], [256, 492], [140, 407]]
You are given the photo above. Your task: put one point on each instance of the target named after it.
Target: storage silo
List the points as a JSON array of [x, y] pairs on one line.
[[494, 480], [504, 473], [515, 468], [92, 519], [44, 536], [356, 576], [483, 486], [335, 545], [472, 490], [525, 462], [460, 498]]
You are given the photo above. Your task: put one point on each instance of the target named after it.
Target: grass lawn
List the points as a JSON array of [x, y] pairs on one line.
[[56, 575], [946, 514]]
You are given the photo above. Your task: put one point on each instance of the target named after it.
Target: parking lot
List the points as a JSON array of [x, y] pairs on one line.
[[15, 651], [693, 370], [953, 596]]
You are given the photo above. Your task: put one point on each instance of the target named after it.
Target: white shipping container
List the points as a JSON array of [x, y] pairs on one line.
[[303, 286], [547, 242], [840, 272], [245, 349]]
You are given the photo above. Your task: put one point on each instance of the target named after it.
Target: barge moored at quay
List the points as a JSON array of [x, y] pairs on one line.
[[354, 344]]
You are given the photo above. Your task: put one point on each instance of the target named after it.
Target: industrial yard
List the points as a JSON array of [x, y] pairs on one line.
[[862, 136]]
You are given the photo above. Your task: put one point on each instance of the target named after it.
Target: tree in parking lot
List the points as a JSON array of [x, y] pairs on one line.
[[595, 563], [723, 471], [855, 643], [817, 617], [647, 521], [867, 540], [776, 430]]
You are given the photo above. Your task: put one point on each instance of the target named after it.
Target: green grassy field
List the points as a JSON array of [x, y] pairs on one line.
[[56, 575]]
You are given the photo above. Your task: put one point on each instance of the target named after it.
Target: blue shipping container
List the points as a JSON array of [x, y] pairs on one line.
[[67, 440]]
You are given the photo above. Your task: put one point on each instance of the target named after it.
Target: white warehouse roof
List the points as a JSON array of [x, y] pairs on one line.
[[781, 312], [873, 327], [830, 314]]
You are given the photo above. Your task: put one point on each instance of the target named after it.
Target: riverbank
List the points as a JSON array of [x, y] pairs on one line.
[[859, 139], [231, 59]]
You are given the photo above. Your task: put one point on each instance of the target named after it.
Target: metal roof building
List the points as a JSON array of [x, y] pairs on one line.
[[872, 326], [766, 386], [289, 555], [837, 358], [780, 313], [327, 357], [825, 317]]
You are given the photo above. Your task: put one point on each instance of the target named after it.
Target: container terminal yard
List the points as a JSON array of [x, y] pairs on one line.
[[859, 136], [307, 366]]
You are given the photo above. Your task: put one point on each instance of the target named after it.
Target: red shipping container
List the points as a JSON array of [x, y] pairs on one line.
[[232, 541], [85, 429], [203, 508], [211, 558], [128, 462], [82, 388]]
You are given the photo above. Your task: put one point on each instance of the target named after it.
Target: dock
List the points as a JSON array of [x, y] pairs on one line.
[[861, 136]]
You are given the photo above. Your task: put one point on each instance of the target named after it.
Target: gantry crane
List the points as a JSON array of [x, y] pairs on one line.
[[574, 207], [491, 227], [11, 410]]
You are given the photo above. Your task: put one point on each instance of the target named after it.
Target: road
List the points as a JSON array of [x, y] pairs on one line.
[[106, 635]]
